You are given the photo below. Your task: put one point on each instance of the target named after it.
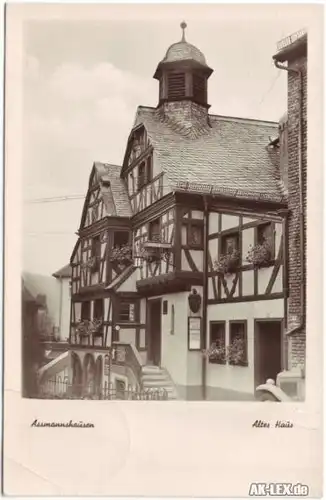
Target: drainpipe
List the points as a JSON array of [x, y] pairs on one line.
[[205, 294], [301, 213]]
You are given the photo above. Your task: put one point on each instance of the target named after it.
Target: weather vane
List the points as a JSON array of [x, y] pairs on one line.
[[183, 26]]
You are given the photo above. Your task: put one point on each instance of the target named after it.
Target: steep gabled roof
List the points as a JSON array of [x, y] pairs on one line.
[[230, 154], [113, 189]]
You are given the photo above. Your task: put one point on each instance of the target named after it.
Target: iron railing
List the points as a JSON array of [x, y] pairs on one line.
[[63, 388]]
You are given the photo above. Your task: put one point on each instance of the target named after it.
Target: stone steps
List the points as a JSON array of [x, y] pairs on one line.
[[154, 377]]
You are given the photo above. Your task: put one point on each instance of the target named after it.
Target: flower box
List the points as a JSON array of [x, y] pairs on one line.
[[260, 255], [121, 254], [228, 263]]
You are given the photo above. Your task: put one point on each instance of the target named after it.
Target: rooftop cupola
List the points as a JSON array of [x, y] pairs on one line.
[[183, 73]]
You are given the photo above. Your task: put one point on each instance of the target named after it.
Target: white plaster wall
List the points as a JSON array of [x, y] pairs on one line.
[[213, 222], [239, 378], [127, 335], [175, 347], [229, 221]]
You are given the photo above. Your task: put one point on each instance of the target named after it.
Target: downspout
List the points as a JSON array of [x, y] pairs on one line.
[[205, 296], [301, 213]]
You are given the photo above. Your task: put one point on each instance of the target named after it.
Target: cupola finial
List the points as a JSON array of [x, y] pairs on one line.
[[183, 26]]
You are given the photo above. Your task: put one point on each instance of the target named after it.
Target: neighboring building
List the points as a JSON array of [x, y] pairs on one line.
[[292, 57], [33, 308], [181, 249], [63, 279]]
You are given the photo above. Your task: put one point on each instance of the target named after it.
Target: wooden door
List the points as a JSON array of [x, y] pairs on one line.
[[154, 331], [268, 350]]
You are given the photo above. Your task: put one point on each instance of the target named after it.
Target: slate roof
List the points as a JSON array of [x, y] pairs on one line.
[[183, 51], [230, 154], [114, 191]]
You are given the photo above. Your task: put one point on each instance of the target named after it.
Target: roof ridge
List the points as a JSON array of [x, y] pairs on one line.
[[241, 119]]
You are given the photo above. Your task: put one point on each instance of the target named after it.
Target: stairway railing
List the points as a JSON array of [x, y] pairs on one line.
[[126, 354]]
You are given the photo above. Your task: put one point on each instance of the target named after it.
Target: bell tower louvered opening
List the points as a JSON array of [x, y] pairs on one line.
[[199, 92], [176, 86]]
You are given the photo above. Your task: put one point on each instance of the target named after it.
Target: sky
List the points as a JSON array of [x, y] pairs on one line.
[[83, 80]]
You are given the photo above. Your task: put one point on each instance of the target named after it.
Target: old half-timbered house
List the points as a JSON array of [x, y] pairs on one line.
[[196, 218]]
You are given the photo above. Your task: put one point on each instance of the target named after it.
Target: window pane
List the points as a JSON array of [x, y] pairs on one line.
[[120, 238]]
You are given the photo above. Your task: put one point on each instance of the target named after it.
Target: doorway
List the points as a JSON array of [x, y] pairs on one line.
[[268, 350], [154, 331]]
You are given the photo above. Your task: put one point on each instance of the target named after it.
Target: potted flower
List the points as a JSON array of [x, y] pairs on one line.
[[121, 254], [216, 353], [87, 327], [260, 255], [236, 352], [228, 263]]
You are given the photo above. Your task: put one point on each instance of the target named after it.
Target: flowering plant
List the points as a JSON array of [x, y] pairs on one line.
[[216, 352], [260, 254], [233, 353], [89, 327], [121, 254], [227, 263], [236, 352]]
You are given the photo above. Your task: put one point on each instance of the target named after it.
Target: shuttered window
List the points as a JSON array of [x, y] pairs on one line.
[[199, 88], [176, 85]]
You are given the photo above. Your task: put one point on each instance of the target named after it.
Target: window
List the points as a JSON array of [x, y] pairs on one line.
[[141, 175], [98, 312], [154, 230], [195, 235], [85, 310], [217, 352], [265, 234], [96, 252], [165, 306], [230, 243], [120, 238], [126, 312], [238, 343]]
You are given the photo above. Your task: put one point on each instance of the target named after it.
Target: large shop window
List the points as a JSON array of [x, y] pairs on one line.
[[238, 345], [217, 351], [127, 312]]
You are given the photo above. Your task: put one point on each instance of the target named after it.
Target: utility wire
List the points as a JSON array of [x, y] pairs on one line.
[[54, 199]]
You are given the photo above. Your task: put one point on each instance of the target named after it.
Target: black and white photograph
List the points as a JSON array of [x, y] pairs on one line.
[[163, 207], [164, 242]]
